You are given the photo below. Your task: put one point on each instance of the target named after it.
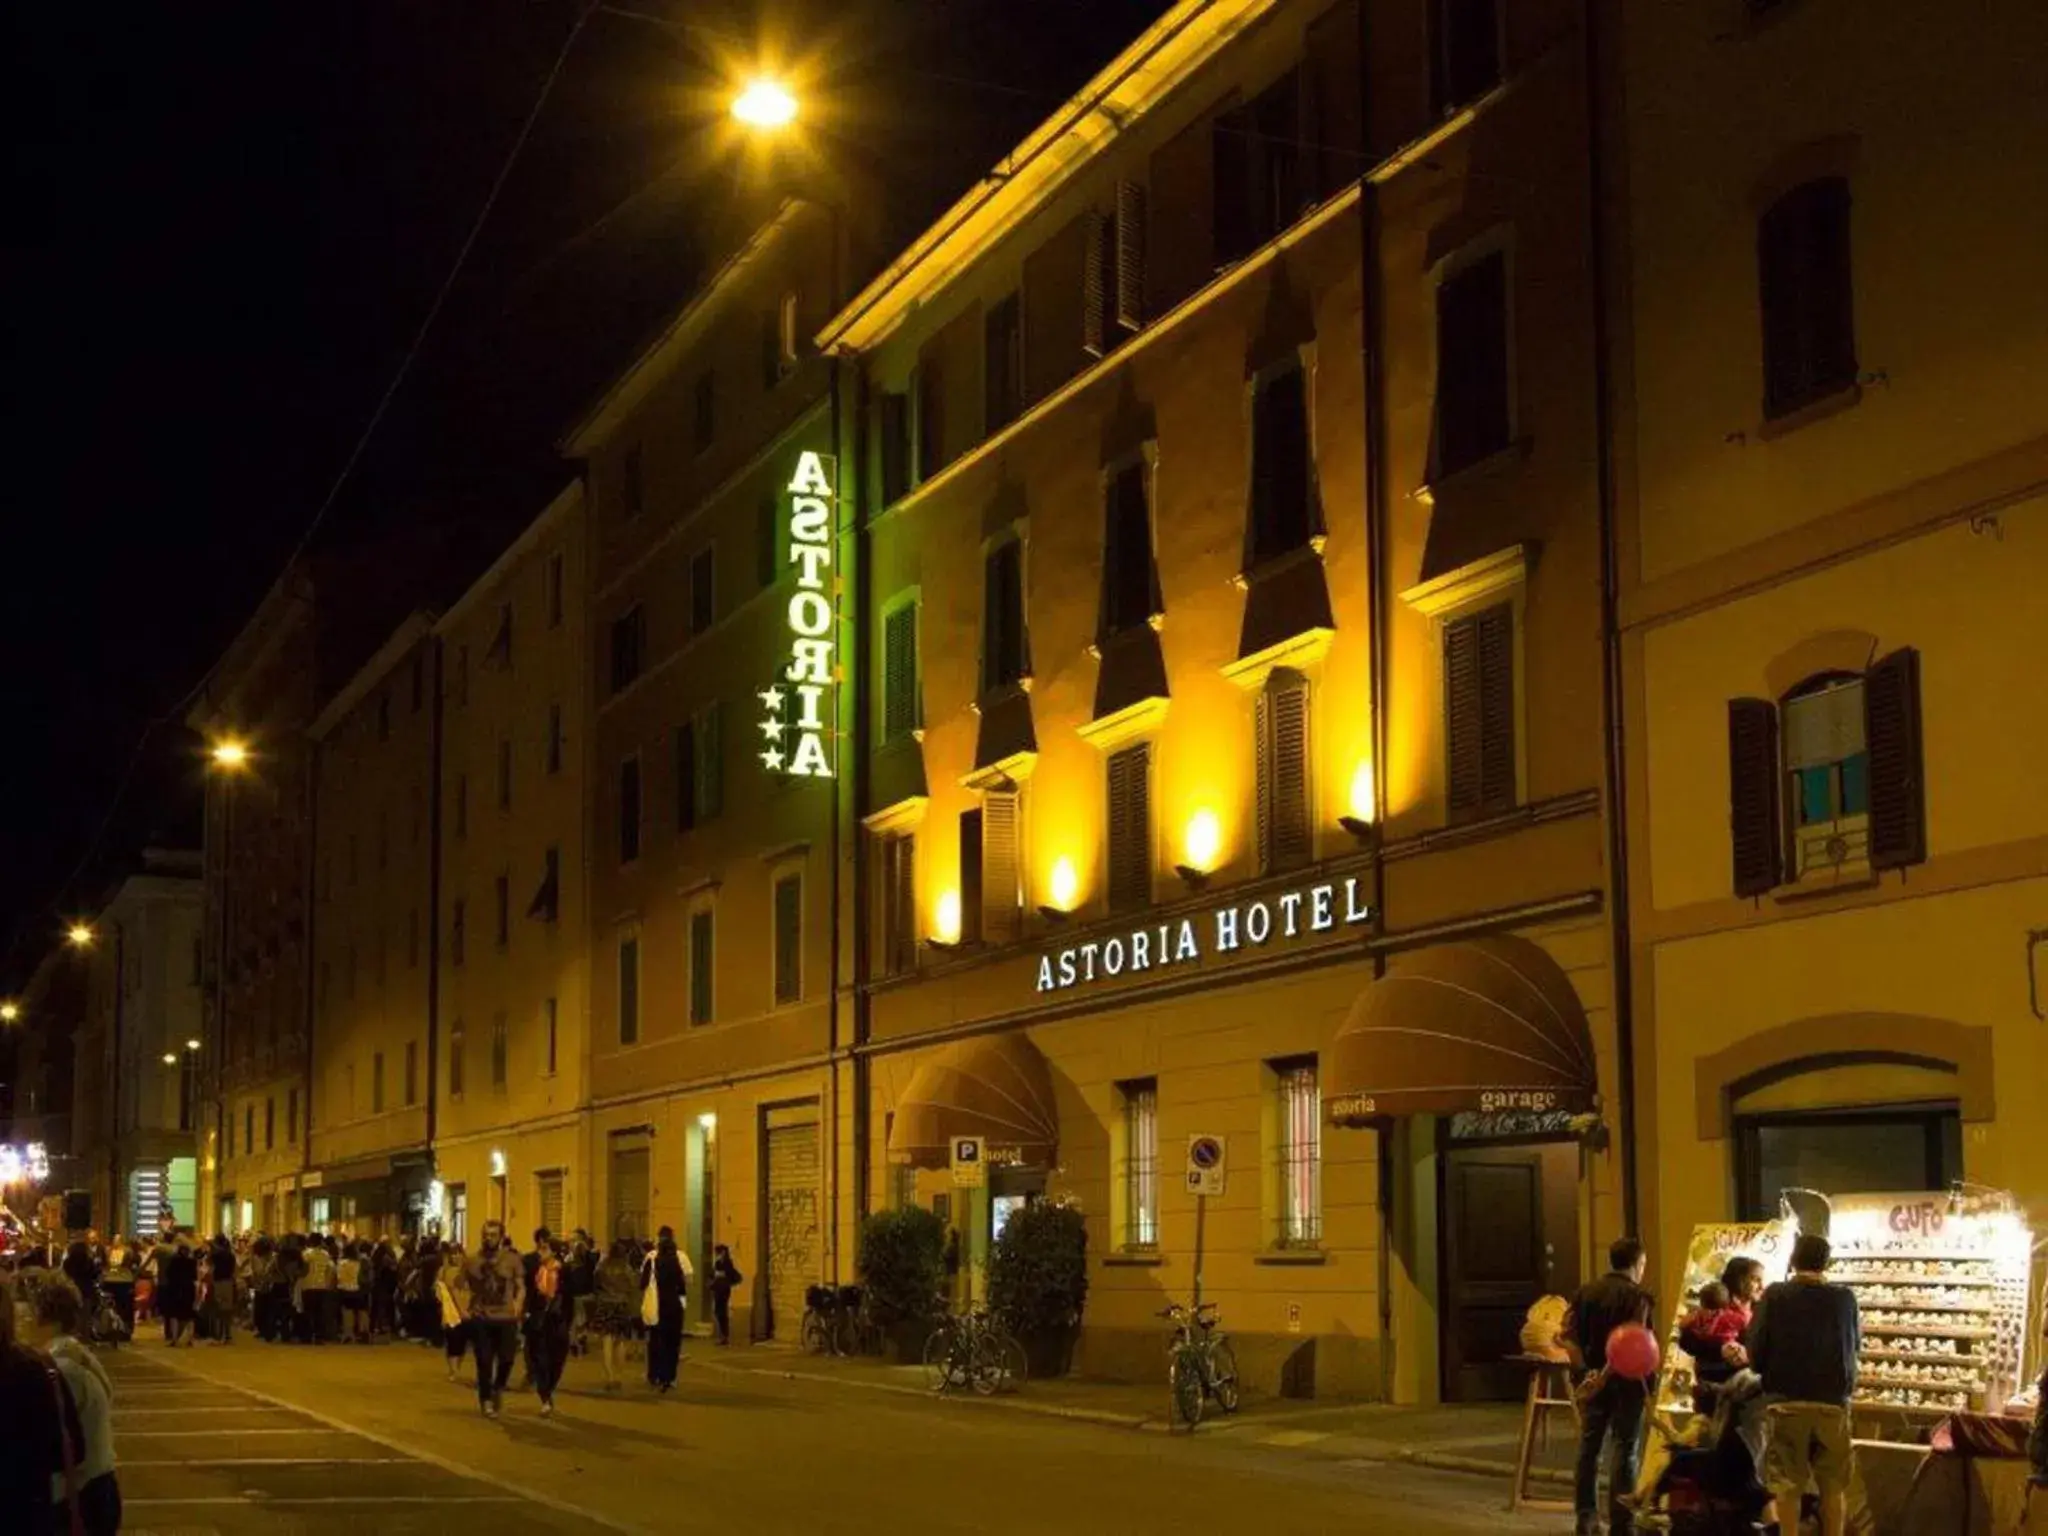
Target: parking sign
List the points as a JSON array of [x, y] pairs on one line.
[[1205, 1165], [970, 1170]]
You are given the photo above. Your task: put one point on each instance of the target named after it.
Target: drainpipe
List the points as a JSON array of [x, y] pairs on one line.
[[1613, 692], [838, 788], [863, 795], [436, 714]]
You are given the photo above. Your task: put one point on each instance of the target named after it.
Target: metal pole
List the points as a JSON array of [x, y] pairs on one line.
[[1201, 1212]]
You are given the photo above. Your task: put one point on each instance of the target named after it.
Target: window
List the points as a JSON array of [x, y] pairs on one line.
[[504, 775], [551, 588], [1842, 754], [1257, 185], [1130, 575], [1464, 52], [632, 483], [291, 1117], [547, 897], [458, 916], [703, 590], [767, 541], [462, 805], [1002, 364], [553, 757], [377, 1083], [1140, 1172], [550, 1023], [500, 1050], [902, 712], [1004, 653], [1130, 828], [972, 886], [896, 929], [1285, 513], [629, 644], [1298, 1153], [1002, 892], [228, 1132], [629, 810], [456, 1043], [1479, 711], [501, 909], [1803, 287], [1472, 364], [704, 418], [1901, 1147], [789, 330], [892, 427], [1113, 272], [1286, 829], [500, 652], [700, 769], [248, 1128], [702, 959], [269, 1124], [927, 424], [629, 991], [412, 1073], [789, 937]]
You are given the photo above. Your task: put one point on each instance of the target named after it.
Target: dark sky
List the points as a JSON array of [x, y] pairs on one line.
[[225, 222]]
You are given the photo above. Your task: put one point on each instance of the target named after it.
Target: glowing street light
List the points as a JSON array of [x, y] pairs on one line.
[[9, 1012], [170, 1058], [191, 1045], [764, 103], [230, 754], [79, 935]]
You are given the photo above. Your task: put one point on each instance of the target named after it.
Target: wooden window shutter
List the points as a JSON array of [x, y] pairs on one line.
[[970, 876], [1753, 795], [1464, 773], [686, 776], [1130, 255], [1497, 706], [895, 447], [1285, 837], [1130, 828], [711, 763], [1002, 915], [903, 903], [1094, 297], [899, 673], [1891, 734]]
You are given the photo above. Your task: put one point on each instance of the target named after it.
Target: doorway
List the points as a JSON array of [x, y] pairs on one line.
[[631, 1184], [1509, 1231], [700, 1203]]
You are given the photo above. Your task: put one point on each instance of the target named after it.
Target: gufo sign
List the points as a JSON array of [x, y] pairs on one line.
[[797, 719], [1313, 909]]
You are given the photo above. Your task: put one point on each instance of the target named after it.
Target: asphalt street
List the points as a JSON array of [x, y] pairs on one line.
[[271, 1439]]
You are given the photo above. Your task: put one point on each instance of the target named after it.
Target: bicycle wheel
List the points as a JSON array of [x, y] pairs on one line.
[[985, 1367], [1186, 1379], [938, 1357], [816, 1337], [1015, 1366], [1223, 1374]]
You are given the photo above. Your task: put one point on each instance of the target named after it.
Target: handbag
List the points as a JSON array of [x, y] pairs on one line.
[[650, 1297], [70, 1454]]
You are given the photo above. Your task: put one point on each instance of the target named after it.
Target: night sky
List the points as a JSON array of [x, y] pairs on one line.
[[227, 221]]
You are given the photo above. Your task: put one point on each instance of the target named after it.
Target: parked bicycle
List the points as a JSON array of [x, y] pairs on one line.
[[1202, 1364], [974, 1349], [835, 1320]]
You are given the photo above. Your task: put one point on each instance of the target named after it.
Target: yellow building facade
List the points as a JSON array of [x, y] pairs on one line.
[[509, 1083], [1833, 558], [368, 1165], [1233, 690]]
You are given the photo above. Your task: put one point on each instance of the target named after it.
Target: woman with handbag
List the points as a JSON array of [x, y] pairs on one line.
[[661, 1308], [615, 1308]]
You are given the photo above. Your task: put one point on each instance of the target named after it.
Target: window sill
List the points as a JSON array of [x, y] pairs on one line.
[[1133, 1260], [1815, 884], [1285, 1257], [1832, 404], [1515, 451]]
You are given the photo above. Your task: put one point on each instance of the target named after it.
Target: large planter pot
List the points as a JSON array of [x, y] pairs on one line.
[[1050, 1354], [907, 1341]]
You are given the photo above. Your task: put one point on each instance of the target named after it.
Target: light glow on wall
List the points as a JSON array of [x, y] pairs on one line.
[[1361, 790], [1203, 841], [946, 918], [1065, 884]]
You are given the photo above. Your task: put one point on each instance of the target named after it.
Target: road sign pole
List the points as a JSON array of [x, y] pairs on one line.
[[1201, 1210]]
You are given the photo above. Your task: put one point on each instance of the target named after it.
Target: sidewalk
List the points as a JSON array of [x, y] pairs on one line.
[[1478, 1437]]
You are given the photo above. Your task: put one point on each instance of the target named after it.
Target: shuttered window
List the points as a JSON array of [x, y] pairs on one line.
[[971, 885], [1113, 272], [702, 960], [1464, 54], [1479, 707], [629, 991], [686, 775], [500, 1052], [1003, 658], [1130, 575], [892, 422], [1130, 828], [1002, 920], [628, 646], [927, 428], [1472, 364], [1898, 802], [707, 734], [1753, 795], [789, 938], [1129, 291], [1002, 364], [1285, 836], [1283, 500], [629, 810], [1098, 239], [1804, 292], [1257, 184], [900, 705], [412, 1085], [703, 590], [897, 895]]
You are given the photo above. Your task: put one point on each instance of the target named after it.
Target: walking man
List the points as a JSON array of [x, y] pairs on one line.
[[1803, 1341], [1608, 1404], [497, 1294]]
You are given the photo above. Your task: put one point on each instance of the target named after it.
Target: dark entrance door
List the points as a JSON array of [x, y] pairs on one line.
[[1494, 1266]]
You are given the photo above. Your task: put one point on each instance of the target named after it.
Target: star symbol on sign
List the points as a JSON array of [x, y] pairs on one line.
[[773, 758], [772, 729], [772, 699]]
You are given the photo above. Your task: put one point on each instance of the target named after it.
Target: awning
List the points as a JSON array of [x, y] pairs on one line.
[[1484, 1024], [366, 1171], [997, 1087]]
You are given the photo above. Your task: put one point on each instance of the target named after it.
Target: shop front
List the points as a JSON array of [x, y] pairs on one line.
[[371, 1197]]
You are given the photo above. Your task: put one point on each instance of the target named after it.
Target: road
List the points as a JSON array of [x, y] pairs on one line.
[[285, 1440]]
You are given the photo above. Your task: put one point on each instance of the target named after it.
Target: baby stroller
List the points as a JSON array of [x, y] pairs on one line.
[[106, 1327], [1699, 1475]]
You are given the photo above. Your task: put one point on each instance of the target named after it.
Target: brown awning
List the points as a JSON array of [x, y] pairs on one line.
[[1483, 1024], [996, 1086]]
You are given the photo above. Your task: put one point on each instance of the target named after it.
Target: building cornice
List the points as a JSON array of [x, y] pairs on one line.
[[417, 627], [558, 511]]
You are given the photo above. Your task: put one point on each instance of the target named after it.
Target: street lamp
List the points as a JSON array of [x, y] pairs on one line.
[[9, 1012], [230, 754], [79, 935], [764, 103]]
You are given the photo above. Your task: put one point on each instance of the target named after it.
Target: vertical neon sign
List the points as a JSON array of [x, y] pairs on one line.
[[797, 720]]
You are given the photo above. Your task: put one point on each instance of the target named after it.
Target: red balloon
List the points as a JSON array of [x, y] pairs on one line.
[[1632, 1352]]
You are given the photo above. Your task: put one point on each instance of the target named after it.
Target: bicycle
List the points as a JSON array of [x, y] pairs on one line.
[[1201, 1363], [974, 1349]]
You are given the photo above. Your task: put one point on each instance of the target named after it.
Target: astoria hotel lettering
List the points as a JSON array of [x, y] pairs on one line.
[[796, 720], [1313, 909]]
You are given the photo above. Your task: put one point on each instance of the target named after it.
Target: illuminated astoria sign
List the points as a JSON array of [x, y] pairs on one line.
[[797, 718], [1254, 924]]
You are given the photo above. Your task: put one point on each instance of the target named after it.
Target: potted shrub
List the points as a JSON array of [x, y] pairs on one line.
[[1038, 1281], [901, 1260]]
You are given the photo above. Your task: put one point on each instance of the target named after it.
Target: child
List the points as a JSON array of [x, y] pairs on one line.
[[1709, 1329]]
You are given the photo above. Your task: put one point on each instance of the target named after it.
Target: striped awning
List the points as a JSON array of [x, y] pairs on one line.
[[1487, 1024], [997, 1087]]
